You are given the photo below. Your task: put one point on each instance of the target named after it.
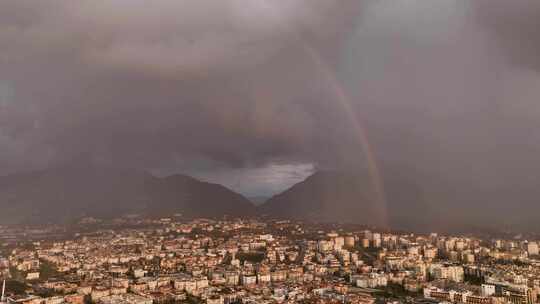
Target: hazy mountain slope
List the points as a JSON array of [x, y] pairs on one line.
[[347, 197], [344, 196], [328, 196], [61, 194], [184, 194]]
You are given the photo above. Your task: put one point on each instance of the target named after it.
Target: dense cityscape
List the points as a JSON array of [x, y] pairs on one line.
[[168, 260], [269, 152]]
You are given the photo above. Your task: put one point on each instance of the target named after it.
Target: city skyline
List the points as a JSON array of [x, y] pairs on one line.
[[270, 151]]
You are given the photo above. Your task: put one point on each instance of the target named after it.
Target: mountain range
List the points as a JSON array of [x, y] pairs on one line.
[[347, 196], [328, 197], [67, 193]]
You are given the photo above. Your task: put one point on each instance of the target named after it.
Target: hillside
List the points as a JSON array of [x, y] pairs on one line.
[[66, 193], [337, 196]]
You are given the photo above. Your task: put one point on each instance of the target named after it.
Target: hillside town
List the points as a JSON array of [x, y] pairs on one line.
[[167, 260]]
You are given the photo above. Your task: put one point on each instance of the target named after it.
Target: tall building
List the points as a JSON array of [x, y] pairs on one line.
[[339, 242], [368, 234], [449, 272], [349, 241], [377, 240], [365, 243], [487, 290], [532, 248]]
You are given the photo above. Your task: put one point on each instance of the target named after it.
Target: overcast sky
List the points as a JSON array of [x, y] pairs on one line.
[[259, 94]]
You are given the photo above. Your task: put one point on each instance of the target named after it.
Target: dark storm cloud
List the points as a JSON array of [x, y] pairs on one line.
[[447, 88], [153, 85], [449, 91], [516, 26]]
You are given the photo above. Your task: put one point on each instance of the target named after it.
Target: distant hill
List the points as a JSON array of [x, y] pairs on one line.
[[66, 193], [328, 196], [182, 193], [332, 196], [345, 197]]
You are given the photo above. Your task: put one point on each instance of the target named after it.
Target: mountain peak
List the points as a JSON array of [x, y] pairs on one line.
[[68, 192], [328, 196]]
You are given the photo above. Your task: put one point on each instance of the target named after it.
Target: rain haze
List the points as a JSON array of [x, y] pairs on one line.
[[440, 98]]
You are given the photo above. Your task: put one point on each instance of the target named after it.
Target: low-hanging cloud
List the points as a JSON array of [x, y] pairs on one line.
[[144, 85], [449, 91], [447, 87]]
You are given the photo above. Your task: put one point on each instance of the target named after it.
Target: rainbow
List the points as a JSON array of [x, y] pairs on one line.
[[344, 101]]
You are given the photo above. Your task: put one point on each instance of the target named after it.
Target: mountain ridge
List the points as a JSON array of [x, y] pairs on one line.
[[328, 196], [64, 193]]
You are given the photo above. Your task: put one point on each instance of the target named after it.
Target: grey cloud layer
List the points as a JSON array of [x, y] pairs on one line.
[[450, 92], [146, 84], [448, 88]]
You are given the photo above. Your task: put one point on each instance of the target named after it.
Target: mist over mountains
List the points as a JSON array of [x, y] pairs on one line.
[[68, 193], [258, 95], [71, 192], [344, 196]]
